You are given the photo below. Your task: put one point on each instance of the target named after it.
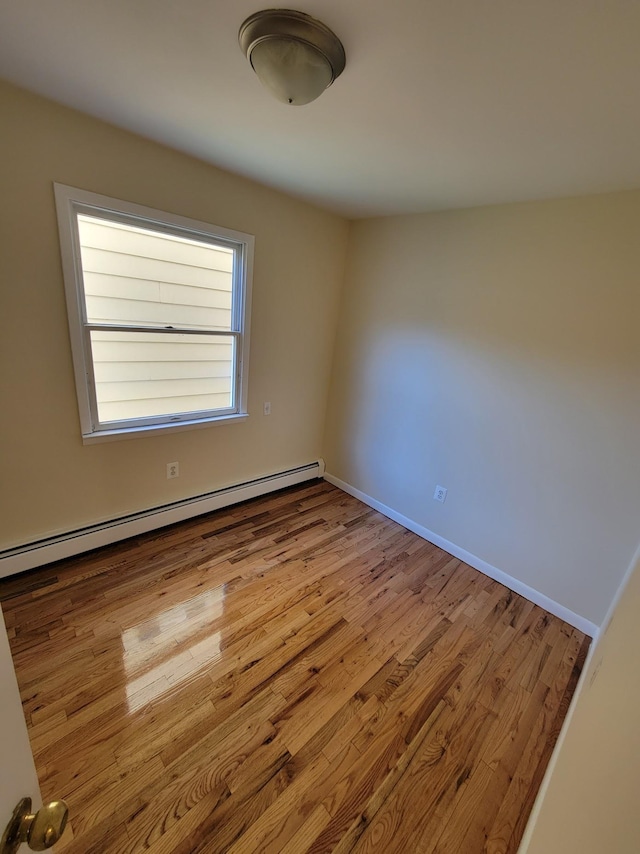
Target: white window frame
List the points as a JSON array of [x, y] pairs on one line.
[[70, 202]]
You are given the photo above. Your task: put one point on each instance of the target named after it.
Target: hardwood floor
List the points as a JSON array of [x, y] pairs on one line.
[[294, 674]]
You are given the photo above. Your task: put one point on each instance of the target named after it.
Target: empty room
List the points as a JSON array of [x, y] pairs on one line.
[[320, 446]]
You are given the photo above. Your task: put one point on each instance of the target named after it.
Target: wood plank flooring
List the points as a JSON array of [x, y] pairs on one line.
[[294, 674]]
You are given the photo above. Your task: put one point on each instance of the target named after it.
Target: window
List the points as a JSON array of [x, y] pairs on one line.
[[158, 311]]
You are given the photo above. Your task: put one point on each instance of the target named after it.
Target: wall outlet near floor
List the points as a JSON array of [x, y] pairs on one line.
[[266, 407], [440, 494], [173, 470]]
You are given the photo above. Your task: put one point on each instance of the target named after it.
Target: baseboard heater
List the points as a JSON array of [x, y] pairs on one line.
[[40, 552]]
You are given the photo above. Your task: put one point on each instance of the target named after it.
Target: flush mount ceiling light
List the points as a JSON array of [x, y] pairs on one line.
[[294, 56]]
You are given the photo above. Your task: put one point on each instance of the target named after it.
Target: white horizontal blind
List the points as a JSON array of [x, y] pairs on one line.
[[138, 277]]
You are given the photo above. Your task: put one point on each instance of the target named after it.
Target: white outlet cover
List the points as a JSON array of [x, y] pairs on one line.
[[440, 494], [173, 470], [267, 407]]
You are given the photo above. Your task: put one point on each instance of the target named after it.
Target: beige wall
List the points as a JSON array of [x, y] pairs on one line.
[[591, 803], [50, 482], [495, 351]]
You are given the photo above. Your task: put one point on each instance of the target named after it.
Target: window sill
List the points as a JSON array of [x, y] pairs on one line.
[[158, 429]]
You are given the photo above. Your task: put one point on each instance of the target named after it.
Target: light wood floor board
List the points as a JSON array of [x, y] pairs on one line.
[[293, 674]]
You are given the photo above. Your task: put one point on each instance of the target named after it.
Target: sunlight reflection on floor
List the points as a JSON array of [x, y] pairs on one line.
[[153, 653]]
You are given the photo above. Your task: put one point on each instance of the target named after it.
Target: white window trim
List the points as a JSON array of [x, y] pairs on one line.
[[69, 202]]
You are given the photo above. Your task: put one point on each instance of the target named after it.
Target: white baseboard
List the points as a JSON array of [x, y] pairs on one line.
[[31, 555], [585, 676], [519, 587], [553, 761]]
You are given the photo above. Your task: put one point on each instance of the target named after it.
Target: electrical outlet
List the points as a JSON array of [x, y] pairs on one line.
[[173, 470], [266, 409], [440, 494]]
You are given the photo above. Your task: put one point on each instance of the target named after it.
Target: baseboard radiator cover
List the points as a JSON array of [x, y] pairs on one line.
[[576, 620], [70, 543]]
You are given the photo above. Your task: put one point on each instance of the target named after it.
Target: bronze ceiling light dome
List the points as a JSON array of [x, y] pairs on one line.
[[295, 56]]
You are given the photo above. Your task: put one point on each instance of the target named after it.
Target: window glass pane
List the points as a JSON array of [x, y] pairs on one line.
[[139, 374], [137, 276]]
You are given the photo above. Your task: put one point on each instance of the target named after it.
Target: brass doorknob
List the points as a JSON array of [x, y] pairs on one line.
[[39, 830]]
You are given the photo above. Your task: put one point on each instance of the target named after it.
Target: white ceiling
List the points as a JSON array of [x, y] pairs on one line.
[[443, 103]]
